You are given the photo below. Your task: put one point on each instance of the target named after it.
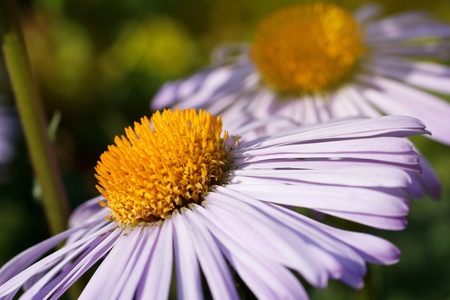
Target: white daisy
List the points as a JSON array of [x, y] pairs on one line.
[[311, 63], [182, 196]]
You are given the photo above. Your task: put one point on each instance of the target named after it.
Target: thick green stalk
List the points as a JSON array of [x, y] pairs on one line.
[[32, 117]]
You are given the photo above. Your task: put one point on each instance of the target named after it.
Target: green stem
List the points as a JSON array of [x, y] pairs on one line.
[[33, 118]]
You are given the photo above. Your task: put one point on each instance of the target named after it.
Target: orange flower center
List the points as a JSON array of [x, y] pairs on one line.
[[307, 48], [151, 172]]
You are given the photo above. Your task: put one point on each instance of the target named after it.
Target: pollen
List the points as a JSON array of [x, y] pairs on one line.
[[151, 172], [309, 48]]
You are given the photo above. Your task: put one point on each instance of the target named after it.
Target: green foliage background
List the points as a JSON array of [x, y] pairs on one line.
[[98, 64]]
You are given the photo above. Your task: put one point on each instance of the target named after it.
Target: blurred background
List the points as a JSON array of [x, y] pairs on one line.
[[98, 63]]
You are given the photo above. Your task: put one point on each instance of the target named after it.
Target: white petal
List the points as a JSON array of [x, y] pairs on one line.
[[440, 51], [261, 105], [224, 53], [398, 22], [155, 282], [211, 260], [263, 276], [306, 164], [372, 248], [426, 75], [376, 221], [283, 242], [117, 262], [24, 259], [189, 284], [323, 109], [72, 271], [342, 106], [45, 263], [363, 128], [364, 107], [396, 98], [409, 158], [342, 262], [367, 12], [202, 88], [87, 212], [310, 113], [379, 176], [323, 149], [267, 281], [391, 33], [329, 254], [346, 199], [129, 277]]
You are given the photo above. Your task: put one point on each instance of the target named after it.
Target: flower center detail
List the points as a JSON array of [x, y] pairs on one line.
[[307, 48], [150, 173]]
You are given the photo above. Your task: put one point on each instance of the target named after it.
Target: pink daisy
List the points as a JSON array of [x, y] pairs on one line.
[[179, 194], [312, 63]]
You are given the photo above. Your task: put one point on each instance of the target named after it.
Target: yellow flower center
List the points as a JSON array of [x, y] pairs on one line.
[[307, 48], [150, 173]]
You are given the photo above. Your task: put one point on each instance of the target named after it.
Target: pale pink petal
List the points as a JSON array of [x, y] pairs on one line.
[[388, 126], [429, 76], [107, 277], [396, 23], [439, 51], [200, 89], [396, 98], [232, 51], [346, 199], [73, 271], [379, 176], [154, 283], [211, 260], [367, 12], [266, 279], [321, 164], [426, 182], [376, 221], [24, 259], [15, 282], [337, 258], [391, 33], [87, 212], [189, 284]]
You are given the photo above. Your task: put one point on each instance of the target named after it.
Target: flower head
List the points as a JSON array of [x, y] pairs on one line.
[[165, 168], [326, 49], [312, 63], [207, 204]]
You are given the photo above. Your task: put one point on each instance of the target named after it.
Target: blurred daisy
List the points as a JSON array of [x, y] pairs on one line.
[[315, 62], [311, 63], [9, 134], [178, 194]]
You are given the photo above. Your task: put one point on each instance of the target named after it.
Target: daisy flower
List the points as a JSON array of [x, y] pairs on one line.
[[311, 63], [178, 194]]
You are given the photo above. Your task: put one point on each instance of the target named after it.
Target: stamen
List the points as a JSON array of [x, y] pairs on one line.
[[150, 173]]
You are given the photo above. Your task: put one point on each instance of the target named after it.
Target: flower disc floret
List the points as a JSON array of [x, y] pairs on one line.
[[307, 48], [151, 172]]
